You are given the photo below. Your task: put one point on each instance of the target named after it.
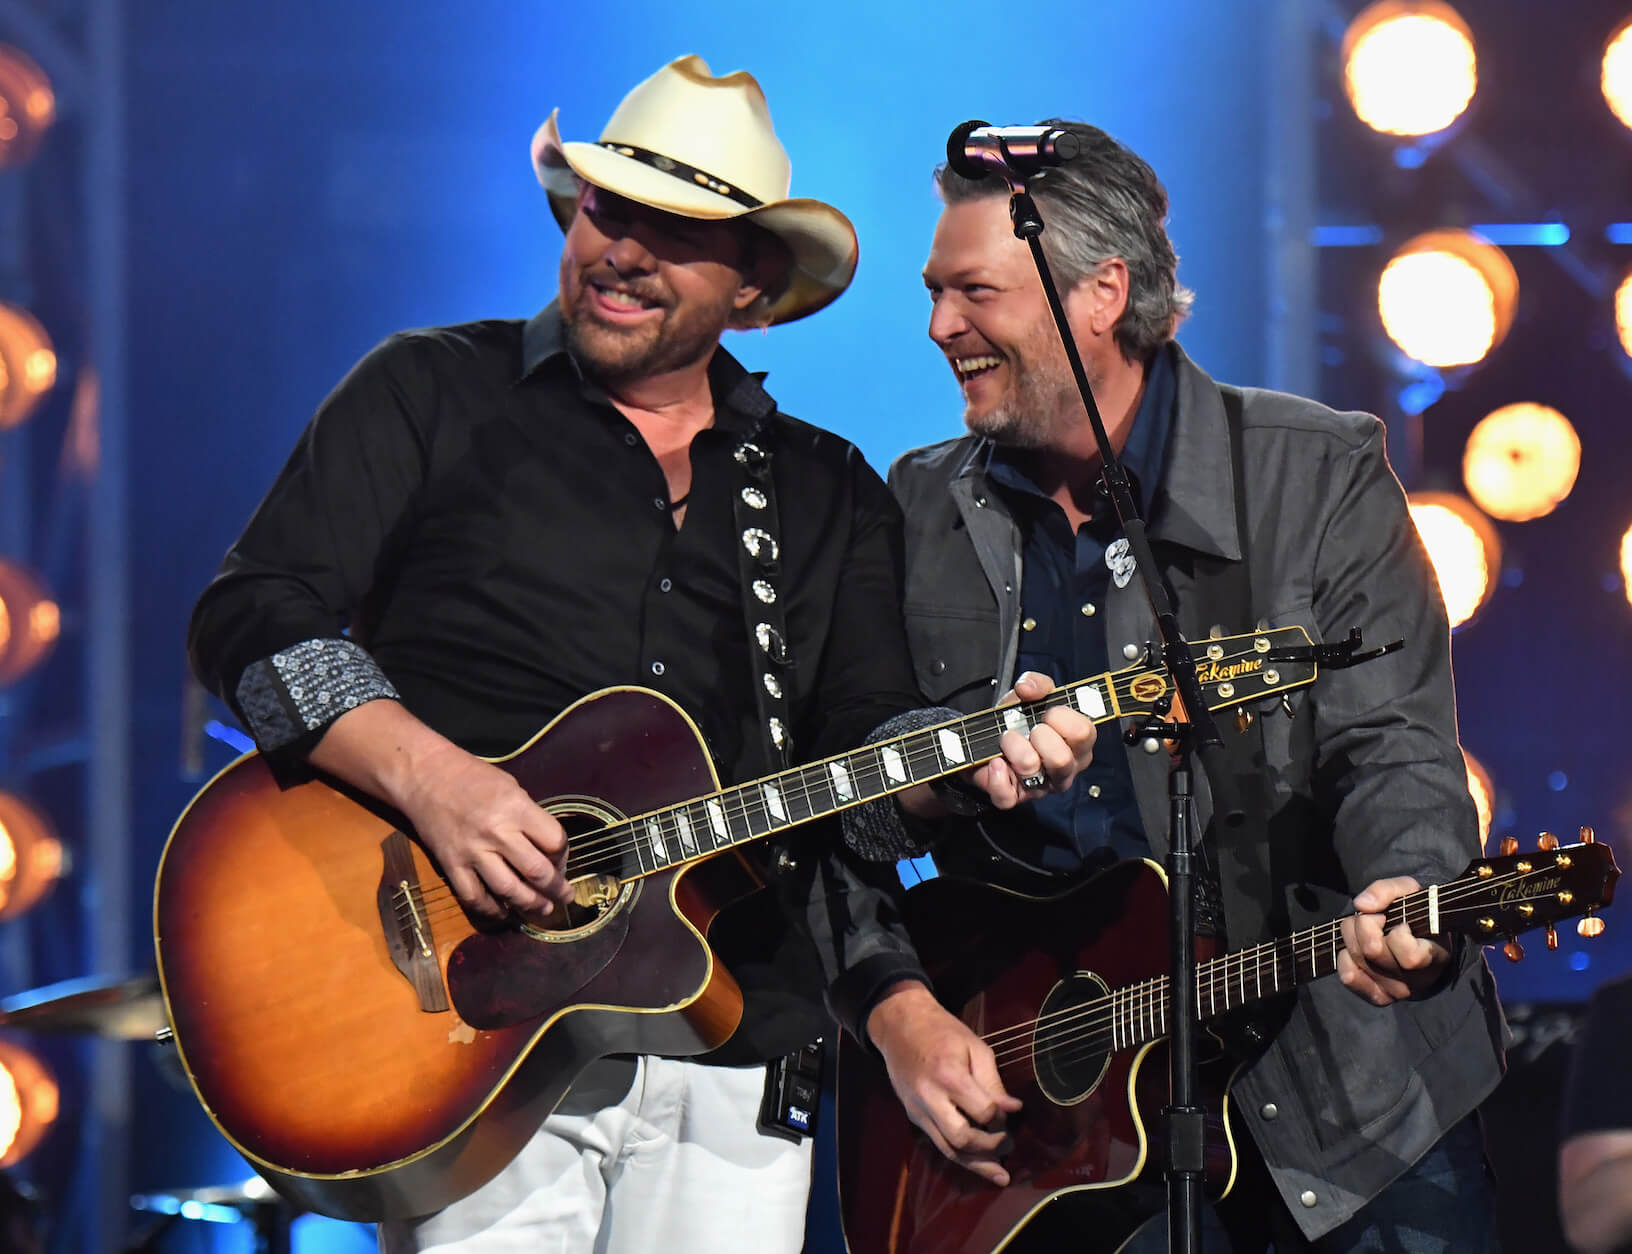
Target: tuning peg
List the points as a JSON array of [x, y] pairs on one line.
[[1552, 937], [1513, 950], [1547, 841], [1510, 845], [1588, 836], [1243, 719], [1590, 926]]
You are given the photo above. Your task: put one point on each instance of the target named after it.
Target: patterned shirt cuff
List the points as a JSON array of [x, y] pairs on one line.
[[305, 688], [877, 830]]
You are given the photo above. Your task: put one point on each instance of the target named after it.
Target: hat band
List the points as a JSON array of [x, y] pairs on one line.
[[685, 173]]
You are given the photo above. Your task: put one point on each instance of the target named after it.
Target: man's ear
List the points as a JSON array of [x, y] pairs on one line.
[[1106, 292]]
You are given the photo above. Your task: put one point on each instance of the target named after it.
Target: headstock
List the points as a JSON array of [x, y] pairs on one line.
[[1233, 670], [1515, 892]]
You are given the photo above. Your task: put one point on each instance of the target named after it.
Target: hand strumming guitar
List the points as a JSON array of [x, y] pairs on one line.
[[499, 849], [945, 1076]]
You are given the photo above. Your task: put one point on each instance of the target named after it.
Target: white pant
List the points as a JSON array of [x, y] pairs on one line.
[[649, 1155]]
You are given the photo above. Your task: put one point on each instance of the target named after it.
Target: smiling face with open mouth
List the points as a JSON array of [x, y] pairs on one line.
[[991, 320], [645, 293]]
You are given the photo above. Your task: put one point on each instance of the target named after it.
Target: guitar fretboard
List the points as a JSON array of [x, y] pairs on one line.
[[1138, 1013], [1232, 670], [705, 825]]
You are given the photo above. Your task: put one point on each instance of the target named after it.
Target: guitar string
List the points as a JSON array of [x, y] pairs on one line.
[[1145, 1003], [607, 849], [1211, 973], [747, 806], [1233, 967], [1450, 894]]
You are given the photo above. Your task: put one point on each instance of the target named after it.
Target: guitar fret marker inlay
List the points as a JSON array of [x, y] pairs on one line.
[[951, 746], [841, 781], [1091, 701], [773, 800], [893, 766], [654, 830]]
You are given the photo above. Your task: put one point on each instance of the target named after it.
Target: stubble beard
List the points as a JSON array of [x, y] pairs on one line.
[[685, 333], [1040, 399]]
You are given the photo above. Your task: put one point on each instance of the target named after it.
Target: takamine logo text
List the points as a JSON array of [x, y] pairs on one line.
[[1222, 672], [1529, 888]]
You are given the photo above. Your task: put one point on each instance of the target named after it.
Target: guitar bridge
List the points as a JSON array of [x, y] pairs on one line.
[[407, 927]]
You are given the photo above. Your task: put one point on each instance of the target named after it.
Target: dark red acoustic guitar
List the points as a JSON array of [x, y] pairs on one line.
[[373, 1054], [1071, 993]]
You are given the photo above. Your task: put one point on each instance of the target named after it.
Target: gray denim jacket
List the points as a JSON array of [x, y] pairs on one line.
[[1367, 766]]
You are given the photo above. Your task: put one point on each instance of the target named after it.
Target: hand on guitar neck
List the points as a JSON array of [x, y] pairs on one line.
[[945, 1076], [1387, 966], [500, 851], [1045, 760]]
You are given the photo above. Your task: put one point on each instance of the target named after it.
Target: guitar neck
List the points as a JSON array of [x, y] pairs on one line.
[[705, 825], [1140, 1011]]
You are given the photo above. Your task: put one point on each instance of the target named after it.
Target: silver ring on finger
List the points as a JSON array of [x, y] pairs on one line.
[[1035, 781]]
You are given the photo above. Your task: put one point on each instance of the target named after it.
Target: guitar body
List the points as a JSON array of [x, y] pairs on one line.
[[1090, 1119], [349, 1029]]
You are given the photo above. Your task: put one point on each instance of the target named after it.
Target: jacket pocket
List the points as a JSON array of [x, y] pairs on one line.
[[954, 653]]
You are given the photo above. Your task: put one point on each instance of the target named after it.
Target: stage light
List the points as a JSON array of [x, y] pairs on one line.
[[28, 365], [31, 857], [1623, 314], [1521, 461], [27, 106], [1447, 298], [29, 622], [28, 1102], [1409, 68], [1626, 563], [1616, 78], [1463, 548], [1482, 792]]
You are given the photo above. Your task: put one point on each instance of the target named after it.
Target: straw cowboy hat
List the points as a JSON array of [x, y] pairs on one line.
[[703, 147]]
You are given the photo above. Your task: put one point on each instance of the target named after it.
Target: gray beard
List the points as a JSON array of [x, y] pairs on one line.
[[1044, 403]]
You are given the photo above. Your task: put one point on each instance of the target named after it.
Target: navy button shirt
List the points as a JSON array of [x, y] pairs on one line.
[[1097, 822]]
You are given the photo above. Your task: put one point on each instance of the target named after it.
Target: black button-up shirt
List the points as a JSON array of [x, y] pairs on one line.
[[500, 538]]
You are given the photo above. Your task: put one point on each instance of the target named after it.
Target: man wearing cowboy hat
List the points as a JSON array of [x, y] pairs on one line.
[[508, 516]]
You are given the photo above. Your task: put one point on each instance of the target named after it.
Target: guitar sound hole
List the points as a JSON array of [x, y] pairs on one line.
[[597, 895], [1071, 1041]]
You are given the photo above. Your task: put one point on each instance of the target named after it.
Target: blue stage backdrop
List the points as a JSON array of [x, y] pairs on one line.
[[310, 176]]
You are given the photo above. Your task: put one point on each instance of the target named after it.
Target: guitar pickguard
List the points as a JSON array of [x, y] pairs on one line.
[[496, 979]]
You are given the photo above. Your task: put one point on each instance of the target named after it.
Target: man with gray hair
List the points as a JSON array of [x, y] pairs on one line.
[[1264, 510]]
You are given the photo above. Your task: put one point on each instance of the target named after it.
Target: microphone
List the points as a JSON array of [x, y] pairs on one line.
[[977, 149]]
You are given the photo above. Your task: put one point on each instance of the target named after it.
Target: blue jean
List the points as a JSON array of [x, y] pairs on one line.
[[1443, 1204]]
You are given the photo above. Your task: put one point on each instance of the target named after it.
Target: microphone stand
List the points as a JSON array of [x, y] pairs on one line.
[[1186, 1132]]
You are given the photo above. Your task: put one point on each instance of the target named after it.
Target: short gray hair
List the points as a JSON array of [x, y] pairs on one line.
[[1105, 202]]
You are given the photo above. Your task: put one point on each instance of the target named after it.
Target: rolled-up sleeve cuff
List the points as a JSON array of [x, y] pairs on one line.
[[853, 995], [285, 698]]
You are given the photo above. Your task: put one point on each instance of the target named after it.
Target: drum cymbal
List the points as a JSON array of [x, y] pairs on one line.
[[125, 1010], [252, 1192]]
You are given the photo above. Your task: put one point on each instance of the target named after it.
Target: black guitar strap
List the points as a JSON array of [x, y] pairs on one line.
[[792, 1097], [759, 566]]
